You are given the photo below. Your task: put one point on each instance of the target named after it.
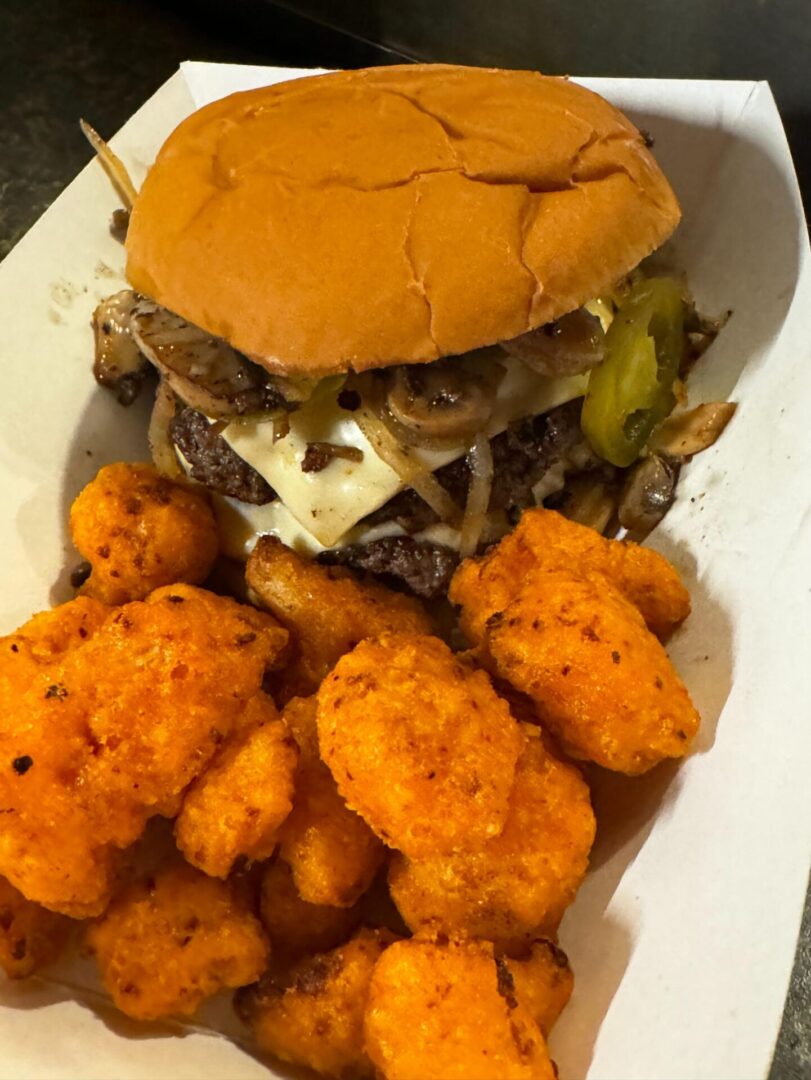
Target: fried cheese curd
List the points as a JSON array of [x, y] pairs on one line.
[[294, 926], [312, 1014], [440, 1010], [542, 981], [167, 943], [326, 610], [332, 852], [30, 660], [236, 807], [544, 539], [517, 884], [600, 680], [419, 744], [139, 531], [27, 655], [114, 729], [30, 935]]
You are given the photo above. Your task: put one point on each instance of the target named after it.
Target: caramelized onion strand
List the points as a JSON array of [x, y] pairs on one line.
[[412, 472], [113, 165], [480, 458], [163, 450]]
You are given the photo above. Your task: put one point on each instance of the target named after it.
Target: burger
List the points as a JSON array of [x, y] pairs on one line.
[[389, 309]]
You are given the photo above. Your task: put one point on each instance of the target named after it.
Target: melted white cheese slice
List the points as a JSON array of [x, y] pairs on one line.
[[240, 525], [327, 504]]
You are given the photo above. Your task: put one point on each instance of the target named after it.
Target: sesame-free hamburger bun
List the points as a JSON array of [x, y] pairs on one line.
[[394, 215]]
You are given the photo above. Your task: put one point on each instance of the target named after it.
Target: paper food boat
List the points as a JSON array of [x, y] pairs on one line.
[[683, 936]]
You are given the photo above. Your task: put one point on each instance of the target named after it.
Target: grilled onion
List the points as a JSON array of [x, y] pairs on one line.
[[412, 472], [163, 450], [480, 459], [113, 165]]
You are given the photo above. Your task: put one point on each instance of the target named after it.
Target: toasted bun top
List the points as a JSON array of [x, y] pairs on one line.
[[394, 215]]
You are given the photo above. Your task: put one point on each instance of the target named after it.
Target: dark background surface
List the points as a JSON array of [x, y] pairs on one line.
[[61, 59]]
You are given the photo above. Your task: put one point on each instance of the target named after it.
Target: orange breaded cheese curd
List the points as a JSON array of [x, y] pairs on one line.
[[48, 635], [167, 943], [441, 1011], [180, 661], [600, 680], [27, 655], [294, 926], [326, 609], [543, 540], [139, 531], [541, 980], [52, 847], [115, 730], [312, 1014], [331, 850], [236, 807], [30, 936], [515, 885], [300, 714], [419, 743]]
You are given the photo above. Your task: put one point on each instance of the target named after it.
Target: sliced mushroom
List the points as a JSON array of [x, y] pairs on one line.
[[687, 433], [700, 332], [119, 364], [119, 224], [590, 501], [647, 495], [568, 346], [204, 371], [443, 400]]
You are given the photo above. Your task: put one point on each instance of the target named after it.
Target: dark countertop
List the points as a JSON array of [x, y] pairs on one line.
[[102, 58]]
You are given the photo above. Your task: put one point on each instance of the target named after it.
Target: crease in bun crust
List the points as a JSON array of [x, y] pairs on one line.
[[387, 216]]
